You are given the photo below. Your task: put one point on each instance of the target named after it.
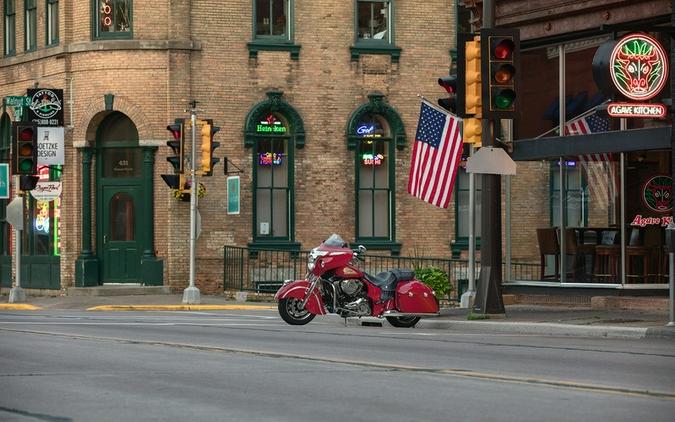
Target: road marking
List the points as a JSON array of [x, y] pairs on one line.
[[464, 373]]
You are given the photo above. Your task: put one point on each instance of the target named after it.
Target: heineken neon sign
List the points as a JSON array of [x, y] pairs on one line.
[[638, 67], [271, 125]]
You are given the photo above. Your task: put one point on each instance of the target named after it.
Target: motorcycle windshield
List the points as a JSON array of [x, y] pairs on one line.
[[335, 241]]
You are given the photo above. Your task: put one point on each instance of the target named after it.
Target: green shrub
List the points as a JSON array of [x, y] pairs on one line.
[[436, 279]]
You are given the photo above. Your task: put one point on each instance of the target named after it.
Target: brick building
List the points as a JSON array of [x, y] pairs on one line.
[[319, 70]]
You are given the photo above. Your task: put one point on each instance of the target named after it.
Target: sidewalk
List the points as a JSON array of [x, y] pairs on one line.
[[518, 319]]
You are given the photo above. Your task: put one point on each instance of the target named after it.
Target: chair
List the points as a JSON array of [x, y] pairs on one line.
[[574, 246], [548, 245], [636, 251], [607, 253]]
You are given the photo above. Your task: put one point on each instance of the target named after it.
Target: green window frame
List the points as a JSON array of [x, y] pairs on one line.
[[273, 130], [273, 27], [10, 28], [375, 170], [462, 191], [51, 22], [375, 128], [112, 19], [374, 29], [30, 25]]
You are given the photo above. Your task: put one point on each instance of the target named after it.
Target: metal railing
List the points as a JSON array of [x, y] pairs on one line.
[[264, 270]]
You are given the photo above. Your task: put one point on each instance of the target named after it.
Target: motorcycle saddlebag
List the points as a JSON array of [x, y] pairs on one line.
[[415, 297]]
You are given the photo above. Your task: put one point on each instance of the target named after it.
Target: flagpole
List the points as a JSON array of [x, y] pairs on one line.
[[435, 107], [581, 116]]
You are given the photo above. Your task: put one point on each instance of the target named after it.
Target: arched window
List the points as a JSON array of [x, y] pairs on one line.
[[273, 132], [374, 132]]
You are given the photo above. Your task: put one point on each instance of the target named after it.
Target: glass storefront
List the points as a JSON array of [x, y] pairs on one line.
[[589, 219]]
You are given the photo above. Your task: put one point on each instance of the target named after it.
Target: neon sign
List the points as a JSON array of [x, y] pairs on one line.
[[41, 221], [106, 13], [270, 158], [638, 67], [270, 125], [367, 131], [372, 160], [656, 193]]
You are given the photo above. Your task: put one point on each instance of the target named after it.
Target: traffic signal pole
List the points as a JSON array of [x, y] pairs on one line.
[[191, 293], [489, 290]]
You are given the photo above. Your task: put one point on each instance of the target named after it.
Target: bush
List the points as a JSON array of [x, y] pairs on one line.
[[436, 279]]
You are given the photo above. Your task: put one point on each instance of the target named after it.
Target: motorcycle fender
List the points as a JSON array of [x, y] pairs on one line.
[[298, 290], [415, 297]]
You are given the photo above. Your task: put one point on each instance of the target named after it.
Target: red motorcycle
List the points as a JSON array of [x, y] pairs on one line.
[[335, 284]]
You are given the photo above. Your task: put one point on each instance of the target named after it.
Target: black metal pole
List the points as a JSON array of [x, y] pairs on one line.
[[489, 290]]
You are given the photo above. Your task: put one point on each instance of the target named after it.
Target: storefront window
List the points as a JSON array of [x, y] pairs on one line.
[[42, 234], [271, 179]]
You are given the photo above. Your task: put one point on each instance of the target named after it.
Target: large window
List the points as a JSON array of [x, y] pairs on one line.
[[374, 21], [113, 18], [42, 221], [52, 22], [10, 27], [30, 24], [272, 19], [272, 163], [374, 167]]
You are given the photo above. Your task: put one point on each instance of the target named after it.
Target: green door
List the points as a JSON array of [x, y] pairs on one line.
[[120, 234]]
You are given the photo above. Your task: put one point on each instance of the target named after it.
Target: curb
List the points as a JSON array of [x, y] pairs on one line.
[[18, 307], [177, 307], [538, 328]]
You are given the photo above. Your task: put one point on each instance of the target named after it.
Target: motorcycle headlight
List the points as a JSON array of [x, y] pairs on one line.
[[313, 255]]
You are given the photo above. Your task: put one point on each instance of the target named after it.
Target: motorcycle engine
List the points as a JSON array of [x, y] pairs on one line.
[[351, 287], [352, 299]]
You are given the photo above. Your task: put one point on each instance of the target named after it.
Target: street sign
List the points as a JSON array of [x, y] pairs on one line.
[[4, 181], [14, 214], [17, 101]]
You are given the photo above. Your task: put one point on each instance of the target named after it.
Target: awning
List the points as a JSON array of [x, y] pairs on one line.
[[615, 141]]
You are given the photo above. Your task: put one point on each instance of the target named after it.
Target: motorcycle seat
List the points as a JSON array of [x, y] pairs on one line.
[[387, 280]]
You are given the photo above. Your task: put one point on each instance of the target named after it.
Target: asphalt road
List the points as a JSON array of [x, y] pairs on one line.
[[250, 366]]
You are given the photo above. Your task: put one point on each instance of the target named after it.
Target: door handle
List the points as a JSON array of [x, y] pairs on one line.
[[105, 238]]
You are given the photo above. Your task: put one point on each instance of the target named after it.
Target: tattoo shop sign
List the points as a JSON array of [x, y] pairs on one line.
[[46, 106]]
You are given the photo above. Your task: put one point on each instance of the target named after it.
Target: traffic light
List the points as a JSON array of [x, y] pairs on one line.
[[472, 131], [24, 149], [208, 145], [501, 62], [177, 144], [449, 83], [472, 77]]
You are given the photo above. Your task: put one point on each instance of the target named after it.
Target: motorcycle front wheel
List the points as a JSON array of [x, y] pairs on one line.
[[402, 321], [291, 311]]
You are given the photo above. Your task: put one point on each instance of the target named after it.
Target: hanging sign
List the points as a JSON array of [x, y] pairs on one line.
[[4, 181], [46, 191], [46, 107], [51, 146], [233, 195]]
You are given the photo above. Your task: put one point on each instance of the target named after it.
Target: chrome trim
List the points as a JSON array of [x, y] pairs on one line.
[[404, 314]]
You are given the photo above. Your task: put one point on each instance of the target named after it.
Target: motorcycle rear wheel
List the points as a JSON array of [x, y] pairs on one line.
[[291, 312], [403, 321]]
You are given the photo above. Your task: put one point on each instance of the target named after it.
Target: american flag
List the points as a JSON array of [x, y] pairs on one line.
[[598, 167], [435, 157]]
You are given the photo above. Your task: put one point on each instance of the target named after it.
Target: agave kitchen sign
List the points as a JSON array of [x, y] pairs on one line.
[[636, 68]]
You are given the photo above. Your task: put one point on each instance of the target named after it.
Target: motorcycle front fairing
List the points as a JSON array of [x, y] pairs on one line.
[[298, 289]]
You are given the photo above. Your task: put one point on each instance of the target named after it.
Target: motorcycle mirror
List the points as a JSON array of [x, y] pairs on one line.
[[362, 249]]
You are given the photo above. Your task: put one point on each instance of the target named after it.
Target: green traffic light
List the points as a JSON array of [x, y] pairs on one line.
[[25, 166], [504, 99]]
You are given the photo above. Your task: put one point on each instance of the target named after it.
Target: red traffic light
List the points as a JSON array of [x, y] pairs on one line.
[[503, 49], [449, 83], [176, 130], [26, 134]]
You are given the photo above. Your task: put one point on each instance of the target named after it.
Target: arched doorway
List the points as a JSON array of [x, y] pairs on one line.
[[119, 200]]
